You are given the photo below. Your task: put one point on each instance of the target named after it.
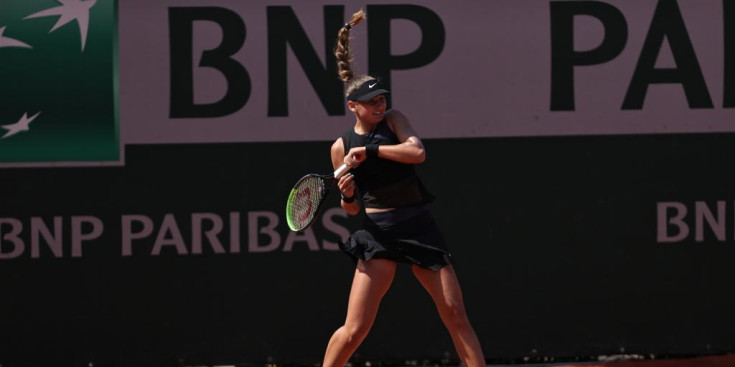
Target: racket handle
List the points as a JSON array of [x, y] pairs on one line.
[[341, 170]]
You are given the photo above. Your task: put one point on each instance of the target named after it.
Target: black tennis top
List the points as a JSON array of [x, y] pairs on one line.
[[383, 183]]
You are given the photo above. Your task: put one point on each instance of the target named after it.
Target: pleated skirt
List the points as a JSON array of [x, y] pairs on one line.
[[405, 235]]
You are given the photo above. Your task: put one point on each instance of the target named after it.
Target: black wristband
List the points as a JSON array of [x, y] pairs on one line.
[[346, 199], [371, 150]]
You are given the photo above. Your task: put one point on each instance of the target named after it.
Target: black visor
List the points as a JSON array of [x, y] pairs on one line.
[[367, 91]]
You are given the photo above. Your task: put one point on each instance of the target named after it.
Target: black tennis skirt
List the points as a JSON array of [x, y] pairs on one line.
[[406, 235]]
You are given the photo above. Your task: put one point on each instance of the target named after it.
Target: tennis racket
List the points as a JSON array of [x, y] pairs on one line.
[[307, 197]]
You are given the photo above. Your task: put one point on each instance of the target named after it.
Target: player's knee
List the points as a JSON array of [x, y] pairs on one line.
[[356, 332]]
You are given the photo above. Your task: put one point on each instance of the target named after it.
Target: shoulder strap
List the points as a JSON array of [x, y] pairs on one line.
[[384, 132], [347, 140], [384, 127]]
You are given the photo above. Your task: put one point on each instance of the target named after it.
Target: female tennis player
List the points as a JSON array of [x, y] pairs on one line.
[[382, 149]]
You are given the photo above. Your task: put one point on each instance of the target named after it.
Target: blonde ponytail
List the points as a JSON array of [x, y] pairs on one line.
[[342, 52]]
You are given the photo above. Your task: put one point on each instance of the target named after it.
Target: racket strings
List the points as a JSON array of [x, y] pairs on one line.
[[305, 201]]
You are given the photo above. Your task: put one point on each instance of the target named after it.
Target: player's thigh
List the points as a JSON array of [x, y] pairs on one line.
[[443, 286], [371, 281]]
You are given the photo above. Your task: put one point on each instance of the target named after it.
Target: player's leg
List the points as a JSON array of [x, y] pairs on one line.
[[372, 279], [444, 289]]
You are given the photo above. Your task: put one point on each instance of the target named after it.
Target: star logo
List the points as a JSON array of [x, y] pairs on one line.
[[33, 32], [21, 125], [9, 42], [69, 10]]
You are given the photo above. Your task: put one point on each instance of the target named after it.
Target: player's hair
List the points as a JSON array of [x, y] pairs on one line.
[[344, 56]]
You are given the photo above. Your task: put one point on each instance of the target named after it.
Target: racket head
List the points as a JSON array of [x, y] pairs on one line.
[[304, 201]]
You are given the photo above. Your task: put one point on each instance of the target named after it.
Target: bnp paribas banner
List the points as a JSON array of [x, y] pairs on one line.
[[210, 71], [58, 88], [234, 71]]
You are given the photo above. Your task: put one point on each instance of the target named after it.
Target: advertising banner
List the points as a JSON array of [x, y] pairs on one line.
[[58, 83], [579, 152], [221, 71]]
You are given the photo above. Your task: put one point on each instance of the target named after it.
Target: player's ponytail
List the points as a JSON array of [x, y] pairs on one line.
[[342, 52], [344, 55]]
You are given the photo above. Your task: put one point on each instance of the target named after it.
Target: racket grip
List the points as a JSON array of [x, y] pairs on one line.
[[341, 170]]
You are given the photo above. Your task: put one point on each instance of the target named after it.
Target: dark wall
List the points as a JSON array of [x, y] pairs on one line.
[[555, 240]]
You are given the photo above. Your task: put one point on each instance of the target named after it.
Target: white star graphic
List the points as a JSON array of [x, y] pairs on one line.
[[21, 125], [69, 10], [10, 42]]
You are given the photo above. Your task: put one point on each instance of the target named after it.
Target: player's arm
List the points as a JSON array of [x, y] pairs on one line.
[[346, 183], [410, 149]]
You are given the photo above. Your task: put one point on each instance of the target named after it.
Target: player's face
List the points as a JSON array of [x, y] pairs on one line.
[[371, 111]]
